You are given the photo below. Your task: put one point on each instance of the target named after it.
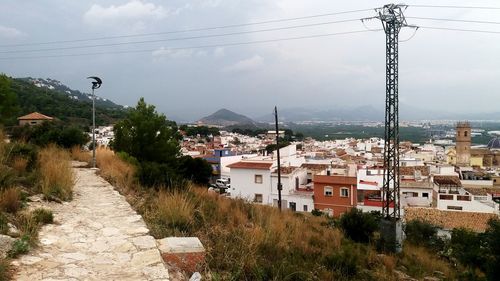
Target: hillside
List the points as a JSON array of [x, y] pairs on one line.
[[52, 98], [225, 117]]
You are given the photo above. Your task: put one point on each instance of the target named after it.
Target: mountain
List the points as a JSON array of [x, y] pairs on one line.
[[298, 114], [55, 85], [225, 117], [52, 98]]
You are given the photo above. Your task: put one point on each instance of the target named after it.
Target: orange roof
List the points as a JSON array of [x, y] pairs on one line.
[[335, 179], [35, 116], [251, 165]]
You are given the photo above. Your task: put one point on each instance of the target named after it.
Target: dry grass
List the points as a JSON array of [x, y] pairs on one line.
[[10, 200], [79, 155], [114, 169], [19, 164], [56, 175], [246, 241], [420, 262]]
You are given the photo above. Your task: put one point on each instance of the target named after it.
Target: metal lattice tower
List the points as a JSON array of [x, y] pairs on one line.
[[393, 20]]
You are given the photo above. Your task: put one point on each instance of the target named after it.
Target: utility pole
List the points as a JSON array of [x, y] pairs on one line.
[[95, 85], [280, 187], [393, 20]]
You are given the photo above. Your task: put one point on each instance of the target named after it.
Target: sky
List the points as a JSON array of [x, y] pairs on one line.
[[438, 70]]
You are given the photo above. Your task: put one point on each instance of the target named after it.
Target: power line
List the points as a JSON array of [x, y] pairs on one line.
[[461, 29], [188, 30], [193, 47], [455, 20], [455, 7], [176, 39]]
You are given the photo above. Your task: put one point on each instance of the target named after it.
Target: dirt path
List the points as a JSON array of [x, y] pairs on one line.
[[97, 236]]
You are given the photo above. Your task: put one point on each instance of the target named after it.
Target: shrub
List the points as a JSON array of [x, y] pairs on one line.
[[7, 176], [43, 216], [359, 226], [420, 232], [4, 227], [10, 200], [5, 273], [56, 175], [19, 164], [345, 262], [157, 174], [50, 132], [466, 246], [21, 246], [28, 226], [492, 239], [316, 212], [26, 151], [175, 211]]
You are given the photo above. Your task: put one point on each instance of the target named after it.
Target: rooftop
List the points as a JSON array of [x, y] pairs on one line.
[[447, 181], [251, 165], [450, 219], [35, 116]]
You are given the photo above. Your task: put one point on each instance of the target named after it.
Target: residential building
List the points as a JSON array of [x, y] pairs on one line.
[[335, 195], [34, 118]]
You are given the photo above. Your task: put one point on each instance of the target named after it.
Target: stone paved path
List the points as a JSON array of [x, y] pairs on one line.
[[97, 236]]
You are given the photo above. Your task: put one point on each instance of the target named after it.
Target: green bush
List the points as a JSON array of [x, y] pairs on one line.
[[346, 262], [359, 226], [43, 216], [7, 176], [316, 212], [157, 174], [51, 132], [420, 232], [21, 246], [26, 151]]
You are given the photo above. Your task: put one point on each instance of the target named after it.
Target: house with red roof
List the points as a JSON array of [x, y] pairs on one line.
[[34, 118]]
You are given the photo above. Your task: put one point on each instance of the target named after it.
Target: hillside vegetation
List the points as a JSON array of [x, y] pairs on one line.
[[29, 98], [246, 241]]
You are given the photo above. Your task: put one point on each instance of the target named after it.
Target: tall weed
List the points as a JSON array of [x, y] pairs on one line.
[[10, 200], [56, 175]]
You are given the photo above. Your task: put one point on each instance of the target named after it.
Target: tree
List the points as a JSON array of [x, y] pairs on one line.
[[359, 226], [8, 102], [147, 135], [50, 132], [196, 169]]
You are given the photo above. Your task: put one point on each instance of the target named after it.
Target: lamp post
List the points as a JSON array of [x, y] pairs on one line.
[[95, 85]]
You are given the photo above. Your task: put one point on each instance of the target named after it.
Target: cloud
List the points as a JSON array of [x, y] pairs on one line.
[[177, 54], [219, 52], [10, 32], [246, 65], [134, 10]]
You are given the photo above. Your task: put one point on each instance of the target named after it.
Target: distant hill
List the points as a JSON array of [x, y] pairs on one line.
[[55, 85], [53, 98], [225, 117]]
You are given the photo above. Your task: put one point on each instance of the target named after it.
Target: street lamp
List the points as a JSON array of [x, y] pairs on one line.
[[95, 85]]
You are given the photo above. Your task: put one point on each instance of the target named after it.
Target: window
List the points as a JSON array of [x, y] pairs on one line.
[[425, 194], [465, 133], [328, 191], [344, 192], [328, 212], [292, 206], [257, 198], [258, 178], [454, 208], [305, 208]]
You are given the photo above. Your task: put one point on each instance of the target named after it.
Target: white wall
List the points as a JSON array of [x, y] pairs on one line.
[[243, 184]]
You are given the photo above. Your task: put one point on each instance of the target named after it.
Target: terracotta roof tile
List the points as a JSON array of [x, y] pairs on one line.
[[35, 116], [447, 181], [450, 219], [251, 165]]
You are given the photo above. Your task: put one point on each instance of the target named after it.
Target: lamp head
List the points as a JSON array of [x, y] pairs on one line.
[[97, 83]]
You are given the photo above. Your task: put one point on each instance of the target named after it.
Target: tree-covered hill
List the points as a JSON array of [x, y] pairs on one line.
[[56, 103]]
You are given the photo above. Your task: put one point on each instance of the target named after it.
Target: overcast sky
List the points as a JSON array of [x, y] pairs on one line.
[[439, 70]]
